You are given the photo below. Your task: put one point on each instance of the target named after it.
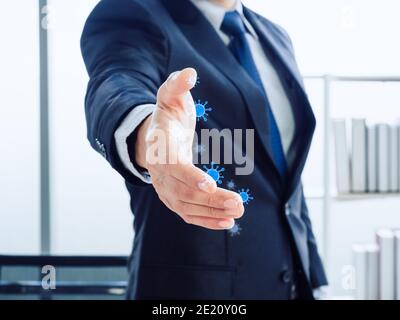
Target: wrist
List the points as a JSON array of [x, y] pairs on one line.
[[140, 144]]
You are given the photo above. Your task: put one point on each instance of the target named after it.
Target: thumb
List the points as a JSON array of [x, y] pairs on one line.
[[178, 84]]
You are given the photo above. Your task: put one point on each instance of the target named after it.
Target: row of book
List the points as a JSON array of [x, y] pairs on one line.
[[377, 267], [369, 160]]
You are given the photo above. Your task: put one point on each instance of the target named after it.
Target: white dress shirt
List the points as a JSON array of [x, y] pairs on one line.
[[278, 99]]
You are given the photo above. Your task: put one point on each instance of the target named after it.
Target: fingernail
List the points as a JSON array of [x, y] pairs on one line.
[[226, 224], [191, 80], [207, 185], [231, 203], [173, 76]]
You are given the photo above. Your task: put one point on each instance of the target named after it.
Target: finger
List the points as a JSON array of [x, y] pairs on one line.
[[181, 81], [193, 177], [221, 199], [205, 222], [177, 85], [210, 223], [185, 208]]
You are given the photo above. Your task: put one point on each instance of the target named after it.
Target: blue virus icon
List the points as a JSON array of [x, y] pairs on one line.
[[235, 230], [215, 172], [202, 110], [245, 195], [231, 185]]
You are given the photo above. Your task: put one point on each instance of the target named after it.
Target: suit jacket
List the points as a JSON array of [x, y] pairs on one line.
[[130, 47]]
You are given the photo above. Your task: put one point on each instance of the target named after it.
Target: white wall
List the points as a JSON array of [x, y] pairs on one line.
[[90, 204], [19, 131], [352, 37]]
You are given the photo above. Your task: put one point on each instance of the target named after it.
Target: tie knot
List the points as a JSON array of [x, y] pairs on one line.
[[233, 24]]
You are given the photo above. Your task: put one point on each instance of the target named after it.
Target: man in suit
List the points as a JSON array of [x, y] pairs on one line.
[[157, 65]]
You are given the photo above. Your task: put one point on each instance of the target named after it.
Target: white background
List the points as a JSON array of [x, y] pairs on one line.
[[89, 203]]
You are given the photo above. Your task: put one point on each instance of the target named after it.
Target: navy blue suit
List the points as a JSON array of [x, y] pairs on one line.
[[130, 47]]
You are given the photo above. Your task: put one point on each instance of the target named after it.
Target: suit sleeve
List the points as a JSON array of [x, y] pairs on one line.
[[125, 54], [317, 272]]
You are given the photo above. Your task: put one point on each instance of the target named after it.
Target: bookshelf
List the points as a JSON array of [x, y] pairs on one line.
[[328, 194], [364, 196], [354, 196]]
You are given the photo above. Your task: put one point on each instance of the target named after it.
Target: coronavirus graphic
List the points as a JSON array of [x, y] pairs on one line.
[[235, 230], [231, 185], [245, 195], [202, 110], [197, 82], [214, 172]]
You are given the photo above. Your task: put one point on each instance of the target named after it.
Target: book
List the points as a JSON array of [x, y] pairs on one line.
[[359, 155], [372, 182], [360, 268], [372, 272], [383, 157], [397, 264], [386, 243], [342, 158], [394, 159]]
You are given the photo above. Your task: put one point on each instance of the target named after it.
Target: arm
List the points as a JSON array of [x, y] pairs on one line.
[[125, 56]]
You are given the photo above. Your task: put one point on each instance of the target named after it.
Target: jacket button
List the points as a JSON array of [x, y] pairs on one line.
[[287, 209], [286, 276], [101, 148]]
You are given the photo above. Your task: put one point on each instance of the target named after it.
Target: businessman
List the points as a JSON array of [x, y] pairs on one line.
[[163, 71]]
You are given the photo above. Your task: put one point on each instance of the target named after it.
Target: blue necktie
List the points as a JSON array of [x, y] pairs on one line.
[[233, 26]]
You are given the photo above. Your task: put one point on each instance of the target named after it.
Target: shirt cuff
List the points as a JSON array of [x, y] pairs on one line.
[[321, 293], [129, 125]]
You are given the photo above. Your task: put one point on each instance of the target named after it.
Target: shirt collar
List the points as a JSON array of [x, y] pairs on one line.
[[215, 14]]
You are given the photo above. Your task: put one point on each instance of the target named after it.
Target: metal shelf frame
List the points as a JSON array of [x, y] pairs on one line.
[[23, 287], [328, 194]]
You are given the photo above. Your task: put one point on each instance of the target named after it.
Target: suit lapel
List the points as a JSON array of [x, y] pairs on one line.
[[268, 35], [194, 25]]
